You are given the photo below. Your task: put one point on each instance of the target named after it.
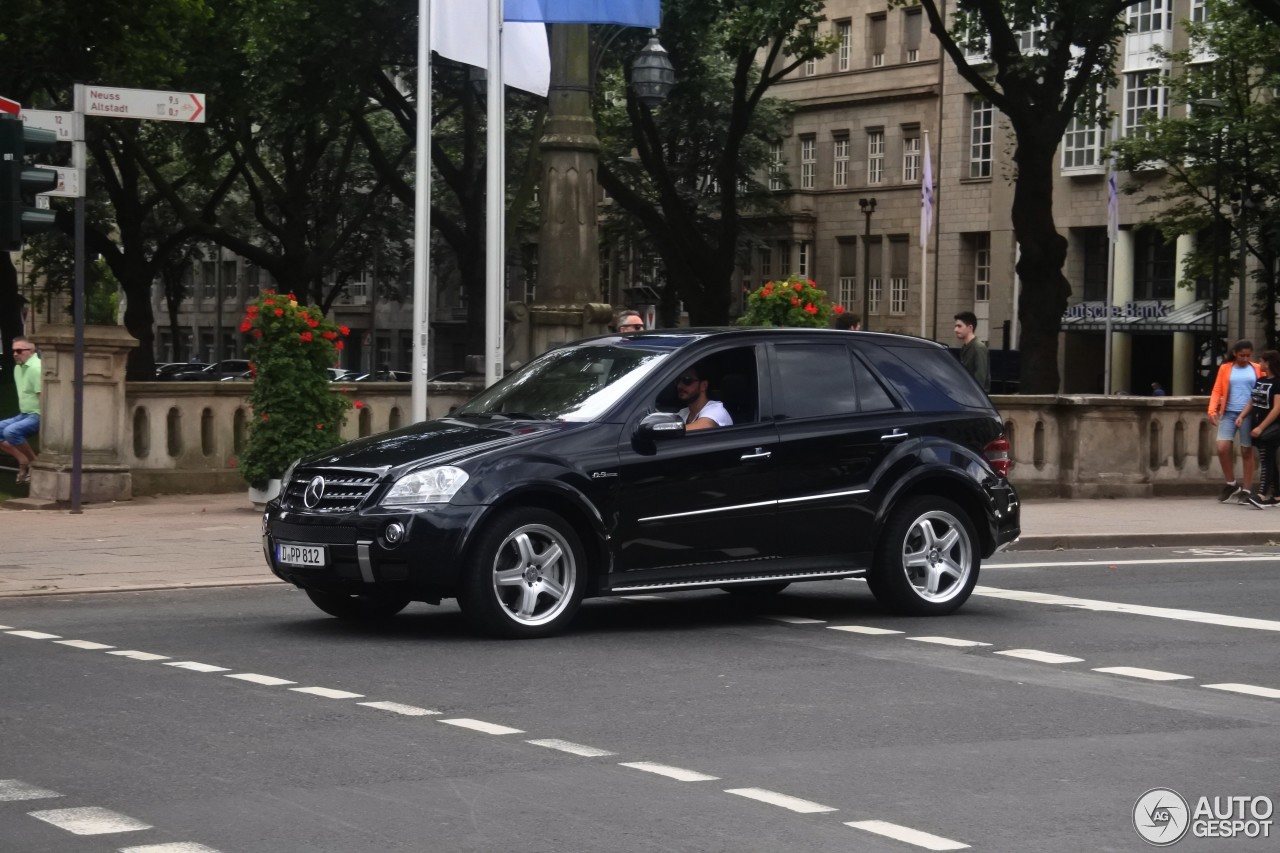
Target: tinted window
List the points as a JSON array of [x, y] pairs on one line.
[[871, 394], [930, 379], [816, 380]]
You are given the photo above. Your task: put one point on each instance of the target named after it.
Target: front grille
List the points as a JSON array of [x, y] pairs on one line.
[[344, 489]]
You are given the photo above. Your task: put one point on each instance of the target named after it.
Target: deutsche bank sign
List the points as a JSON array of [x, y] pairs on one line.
[[1127, 311]]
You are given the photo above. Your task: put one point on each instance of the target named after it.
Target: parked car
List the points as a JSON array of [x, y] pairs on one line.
[[456, 376], [385, 376], [215, 372], [169, 370], [868, 455], [339, 374]]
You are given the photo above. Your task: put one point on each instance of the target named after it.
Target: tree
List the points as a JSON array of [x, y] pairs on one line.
[[700, 153], [1221, 151], [1040, 91]]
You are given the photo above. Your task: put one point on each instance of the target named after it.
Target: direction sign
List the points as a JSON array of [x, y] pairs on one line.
[[149, 104], [68, 182], [68, 125], [9, 106]]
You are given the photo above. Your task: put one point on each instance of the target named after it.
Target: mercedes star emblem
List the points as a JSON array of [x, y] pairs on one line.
[[314, 493]]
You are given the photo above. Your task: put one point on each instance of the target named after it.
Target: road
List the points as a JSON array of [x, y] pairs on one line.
[[242, 720]]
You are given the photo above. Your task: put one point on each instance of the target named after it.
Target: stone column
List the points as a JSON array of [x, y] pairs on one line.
[[1184, 343], [104, 475], [1122, 292]]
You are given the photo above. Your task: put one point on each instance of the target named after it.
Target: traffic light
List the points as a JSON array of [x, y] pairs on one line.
[[19, 184]]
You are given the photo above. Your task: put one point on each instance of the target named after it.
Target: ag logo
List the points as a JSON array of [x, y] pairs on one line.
[[1161, 817], [314, 492]]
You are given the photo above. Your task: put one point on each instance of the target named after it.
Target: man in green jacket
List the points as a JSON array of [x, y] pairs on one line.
[[15, 431], [973, 352]]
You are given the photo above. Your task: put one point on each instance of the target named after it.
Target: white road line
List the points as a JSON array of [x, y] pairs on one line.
[[797, 620], [864, 629], [196, 666], [34, 635], [1133, 609], [1250, 689], [90, 821], [773, 798], [177, 847], [5, 627], [948, 641], [268, 680], [397, 708], [82, 644], [573, 748], [12, 790], [677, 773], [135, 655], [482, 726], [905, 833], [1039, 656], [327, 692], [1168, 561], [1139, 672]]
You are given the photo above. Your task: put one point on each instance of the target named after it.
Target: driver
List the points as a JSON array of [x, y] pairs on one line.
[[699, 412]]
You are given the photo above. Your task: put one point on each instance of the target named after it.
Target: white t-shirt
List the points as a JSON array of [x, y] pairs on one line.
[[714, 409]]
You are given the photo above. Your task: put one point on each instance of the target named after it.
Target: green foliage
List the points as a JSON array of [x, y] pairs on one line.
[[295, 412], [102, 295], [790, 302]]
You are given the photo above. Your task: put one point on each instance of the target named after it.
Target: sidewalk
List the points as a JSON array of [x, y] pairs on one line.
[[181, 541]]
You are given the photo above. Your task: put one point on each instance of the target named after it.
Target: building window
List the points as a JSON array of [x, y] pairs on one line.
[[776, 163], [981, 133], [1031, 40], [874, 261], [1143, 95], [1151, 16], [844, 29], [875, 40], [875, 156], [982, 267], [1155, 265], [766, 263], [911, 159], [912, 26], [808, 161], [529, 261], [898, 275], [1199, 12], [840, 160], [803, 254], [784, 258], [1080, 145], [252, 281], [208, 280], [847, 272], [811, 65]]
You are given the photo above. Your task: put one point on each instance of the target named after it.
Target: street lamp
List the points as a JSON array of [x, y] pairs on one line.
[[652, 74], [868, 206]]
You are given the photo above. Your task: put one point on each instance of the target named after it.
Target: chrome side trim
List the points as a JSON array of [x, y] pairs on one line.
[[823, 496], [366, 565], [799, 576]]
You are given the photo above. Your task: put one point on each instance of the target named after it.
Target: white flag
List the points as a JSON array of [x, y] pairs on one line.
[[460, 33], [926, 197], [1113, 203]]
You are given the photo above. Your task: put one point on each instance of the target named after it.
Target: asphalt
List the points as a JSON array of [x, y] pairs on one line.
[[191, 541]]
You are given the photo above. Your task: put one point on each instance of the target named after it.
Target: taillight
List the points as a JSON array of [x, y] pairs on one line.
[[997, 453]]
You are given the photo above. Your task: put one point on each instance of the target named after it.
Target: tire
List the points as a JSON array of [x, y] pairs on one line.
[[361, 608], [927, 562], [526, 576], [753, 591]]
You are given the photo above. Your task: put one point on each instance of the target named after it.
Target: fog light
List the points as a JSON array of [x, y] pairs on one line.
[[394, 532]]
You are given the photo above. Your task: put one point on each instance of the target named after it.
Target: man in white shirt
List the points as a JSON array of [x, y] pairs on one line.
[[699, 412]]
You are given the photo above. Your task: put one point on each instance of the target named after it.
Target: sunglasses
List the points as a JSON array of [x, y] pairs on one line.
[[23, 349], [688, 380]]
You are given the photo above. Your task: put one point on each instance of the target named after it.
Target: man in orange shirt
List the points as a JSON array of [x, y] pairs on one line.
[[1231, 393]]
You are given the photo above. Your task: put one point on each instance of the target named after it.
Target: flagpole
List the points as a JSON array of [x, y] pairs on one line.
[[495, 197], [422, 222], [1113, 229], [926, 219]]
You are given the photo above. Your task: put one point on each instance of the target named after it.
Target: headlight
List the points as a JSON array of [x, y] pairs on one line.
[[287, 476], [430, 486]]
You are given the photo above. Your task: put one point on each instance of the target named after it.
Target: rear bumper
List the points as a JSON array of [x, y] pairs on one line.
[[1005, 517]]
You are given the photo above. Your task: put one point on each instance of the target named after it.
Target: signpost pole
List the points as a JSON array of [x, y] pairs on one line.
[[77, 407]]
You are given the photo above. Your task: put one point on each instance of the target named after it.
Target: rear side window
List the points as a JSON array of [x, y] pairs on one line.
[[929, 378], [816, 380]]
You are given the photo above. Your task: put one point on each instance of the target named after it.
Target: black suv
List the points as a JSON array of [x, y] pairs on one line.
[[850, 454]]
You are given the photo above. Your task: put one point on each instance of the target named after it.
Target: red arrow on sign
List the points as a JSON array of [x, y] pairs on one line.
[[199, 108], [9, 106]]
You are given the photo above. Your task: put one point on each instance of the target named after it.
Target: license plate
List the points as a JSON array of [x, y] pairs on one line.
[[300, 555]]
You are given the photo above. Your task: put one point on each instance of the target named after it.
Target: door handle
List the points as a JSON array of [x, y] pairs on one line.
[[896, 435], [760, 453]]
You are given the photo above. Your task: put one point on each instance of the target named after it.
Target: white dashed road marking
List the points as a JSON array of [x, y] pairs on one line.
[[196, 666], [1250, 689], [1039, 656], [34, 635], [865, 629], [83, 644], [573, 748], [785, 801], [905, 833], [1138, 672], [268, 680], [6, 627], [327, 692], [677, 773], [179, 847], [797, 620], [1133, 609], [90, 821], [135, 655], [482, 726], [397, 708], [13, 790], [948, 641]]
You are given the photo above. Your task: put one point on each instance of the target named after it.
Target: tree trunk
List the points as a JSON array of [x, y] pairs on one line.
[[10, 314]]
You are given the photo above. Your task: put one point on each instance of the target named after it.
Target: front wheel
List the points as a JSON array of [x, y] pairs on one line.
[[526, 576], [927, 563], [369, 607]]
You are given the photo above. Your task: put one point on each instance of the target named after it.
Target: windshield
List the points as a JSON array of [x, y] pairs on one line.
[[570, 384]]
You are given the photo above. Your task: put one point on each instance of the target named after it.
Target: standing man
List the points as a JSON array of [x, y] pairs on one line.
[[15, 431], [1231, 393], [848, 322], [973, 352], [630, 321]]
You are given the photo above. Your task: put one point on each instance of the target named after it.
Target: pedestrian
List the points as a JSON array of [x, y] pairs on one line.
[[1232, 390], [1266, 432], [848, 322], [630, 321], [973, 352], [15, 431], [1157, 390]]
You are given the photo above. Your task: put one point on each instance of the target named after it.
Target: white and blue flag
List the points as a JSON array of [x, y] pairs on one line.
[[628, 13]]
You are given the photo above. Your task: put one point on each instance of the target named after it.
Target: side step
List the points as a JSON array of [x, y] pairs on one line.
[[702, 584]]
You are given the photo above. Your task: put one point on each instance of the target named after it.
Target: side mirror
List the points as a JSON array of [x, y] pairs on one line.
[[656, 426]]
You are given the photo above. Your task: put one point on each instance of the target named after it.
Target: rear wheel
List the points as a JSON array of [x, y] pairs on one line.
[[358, 607], [527, 575], [927, 563]]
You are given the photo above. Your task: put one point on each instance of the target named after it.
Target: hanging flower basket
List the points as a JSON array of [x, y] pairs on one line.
[[790, 302]]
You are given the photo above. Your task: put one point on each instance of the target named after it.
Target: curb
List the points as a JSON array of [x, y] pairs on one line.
[[1073, 541], [30, 593]]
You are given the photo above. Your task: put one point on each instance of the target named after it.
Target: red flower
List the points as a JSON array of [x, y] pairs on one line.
[[279, 312], [344, 330], [257, 333], [268, 302], [798, 286], [328, 336], [359, 404], [246, 326], [264, 416], [795, 301], [233, 462], [252, 309], [811, 308], [839, 309], [338, 344], [811, 283], [766, 292], [304, 337], [313, 323], [319, 426]]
